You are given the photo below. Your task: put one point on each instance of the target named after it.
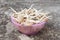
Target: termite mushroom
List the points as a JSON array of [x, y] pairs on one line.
[[30, 16]]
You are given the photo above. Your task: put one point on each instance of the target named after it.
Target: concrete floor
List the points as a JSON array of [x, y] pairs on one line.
[[51, 30]]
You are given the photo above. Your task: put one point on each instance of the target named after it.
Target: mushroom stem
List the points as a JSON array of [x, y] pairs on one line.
[[13, 10]]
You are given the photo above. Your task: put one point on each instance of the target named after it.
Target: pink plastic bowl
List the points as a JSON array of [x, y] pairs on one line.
[[29, 30]]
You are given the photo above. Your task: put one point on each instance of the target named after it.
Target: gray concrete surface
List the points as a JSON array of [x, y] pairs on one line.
[[51, 30]]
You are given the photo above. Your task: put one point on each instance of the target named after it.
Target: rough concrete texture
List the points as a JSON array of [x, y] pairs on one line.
[[51, 30]]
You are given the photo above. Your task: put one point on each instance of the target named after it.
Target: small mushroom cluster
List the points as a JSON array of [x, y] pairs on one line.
[[30, 16]]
